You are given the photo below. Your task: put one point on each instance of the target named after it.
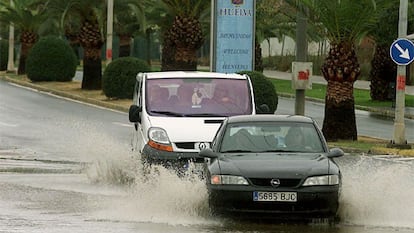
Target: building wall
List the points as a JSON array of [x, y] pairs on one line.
[[278, 48]]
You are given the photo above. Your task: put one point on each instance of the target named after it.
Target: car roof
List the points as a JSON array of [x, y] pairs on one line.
[[269, 118], [192, 74]]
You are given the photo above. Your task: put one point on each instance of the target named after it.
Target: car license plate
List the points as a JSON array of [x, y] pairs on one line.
[[275, 196]]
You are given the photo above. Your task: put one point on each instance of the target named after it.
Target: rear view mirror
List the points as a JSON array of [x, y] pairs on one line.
[[335, 152], [135, 113], [208, 153]]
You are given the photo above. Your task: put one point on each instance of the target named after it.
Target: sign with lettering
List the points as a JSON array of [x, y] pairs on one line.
[[233, 35]]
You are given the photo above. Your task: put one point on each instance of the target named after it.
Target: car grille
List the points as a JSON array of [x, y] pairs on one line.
[[185, 145], [286, 183]]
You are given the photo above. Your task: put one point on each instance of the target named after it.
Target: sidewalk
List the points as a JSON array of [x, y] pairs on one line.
[[359, 84]]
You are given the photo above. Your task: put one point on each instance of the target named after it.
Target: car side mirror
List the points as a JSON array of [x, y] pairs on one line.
[[335, 152], [208, 153], [135, 113]]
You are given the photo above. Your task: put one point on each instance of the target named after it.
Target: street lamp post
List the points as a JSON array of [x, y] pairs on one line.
[[10, 61], [301, 53], [109, 31]]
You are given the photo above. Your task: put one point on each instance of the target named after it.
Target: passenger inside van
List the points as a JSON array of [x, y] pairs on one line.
[[183, 97]]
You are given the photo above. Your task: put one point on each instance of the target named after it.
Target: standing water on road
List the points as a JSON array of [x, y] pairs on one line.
[[112, 195], [375, 193]]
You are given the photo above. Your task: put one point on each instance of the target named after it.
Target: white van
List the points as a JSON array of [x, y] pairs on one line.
[[176, 114]]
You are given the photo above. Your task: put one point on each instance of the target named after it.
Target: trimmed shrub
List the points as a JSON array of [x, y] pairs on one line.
[[119, 77], [51, 59], [264, 90], [4, 54]]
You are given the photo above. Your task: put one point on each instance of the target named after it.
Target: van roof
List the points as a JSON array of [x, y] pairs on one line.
[[192, 74]]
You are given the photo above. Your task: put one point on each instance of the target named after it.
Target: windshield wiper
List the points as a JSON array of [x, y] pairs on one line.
[[168, 113], [264, 151], [235, 151], [205, 115]]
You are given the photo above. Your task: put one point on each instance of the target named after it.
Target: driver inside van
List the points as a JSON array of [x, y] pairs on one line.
[[158, 96]]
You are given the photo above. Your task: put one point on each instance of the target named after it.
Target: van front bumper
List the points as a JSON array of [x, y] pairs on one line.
[[180, 160]]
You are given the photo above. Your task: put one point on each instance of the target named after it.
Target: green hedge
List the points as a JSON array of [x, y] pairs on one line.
[[51, 59], [119, 77], [264, 90]]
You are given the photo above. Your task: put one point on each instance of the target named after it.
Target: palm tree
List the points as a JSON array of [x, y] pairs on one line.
[[184, 36], [89, 17], [383, 69], [27, 16], [345, 23], [128, 21]]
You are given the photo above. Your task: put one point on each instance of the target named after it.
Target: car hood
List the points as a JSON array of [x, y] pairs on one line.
[[188, 129], [274, 165]]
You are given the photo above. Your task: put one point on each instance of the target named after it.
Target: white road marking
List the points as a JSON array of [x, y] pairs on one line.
[[7, 124], [122, 124]]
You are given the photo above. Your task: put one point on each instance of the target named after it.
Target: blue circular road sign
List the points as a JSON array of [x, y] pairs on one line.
[[402, 51]]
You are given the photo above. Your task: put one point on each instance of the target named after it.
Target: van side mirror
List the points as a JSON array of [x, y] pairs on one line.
[[135, 113]]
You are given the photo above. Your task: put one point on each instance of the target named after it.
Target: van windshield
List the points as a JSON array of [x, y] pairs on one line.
[[198, 97]]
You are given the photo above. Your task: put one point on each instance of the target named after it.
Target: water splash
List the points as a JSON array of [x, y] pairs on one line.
[[377, 193]]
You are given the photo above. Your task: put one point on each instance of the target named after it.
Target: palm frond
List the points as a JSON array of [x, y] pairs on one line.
[[343, 20]]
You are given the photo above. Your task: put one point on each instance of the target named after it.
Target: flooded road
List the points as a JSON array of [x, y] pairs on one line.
[[67, 167], [111, 195]]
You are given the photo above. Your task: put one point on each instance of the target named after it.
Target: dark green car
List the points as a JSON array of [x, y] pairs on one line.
[[275, 166]]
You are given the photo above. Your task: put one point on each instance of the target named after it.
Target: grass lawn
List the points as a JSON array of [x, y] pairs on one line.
[[318, 91]]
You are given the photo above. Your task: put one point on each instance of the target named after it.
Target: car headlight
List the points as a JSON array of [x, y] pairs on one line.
[[322, 180], [158, 139], [226, 179]]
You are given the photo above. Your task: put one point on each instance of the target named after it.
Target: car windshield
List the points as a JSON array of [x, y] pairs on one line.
[[198, 97], [271, 137]]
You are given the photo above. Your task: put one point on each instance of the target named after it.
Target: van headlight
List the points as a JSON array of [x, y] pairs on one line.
[[322, 180], [158, 135], [158, 139]]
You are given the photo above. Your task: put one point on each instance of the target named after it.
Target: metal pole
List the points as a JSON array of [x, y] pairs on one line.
[[10, 62], [301, 53], [109, 31], [213, 36], [399, 127]]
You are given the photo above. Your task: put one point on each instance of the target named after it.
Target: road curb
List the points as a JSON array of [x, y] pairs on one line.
[[379, 111], [66, 95]]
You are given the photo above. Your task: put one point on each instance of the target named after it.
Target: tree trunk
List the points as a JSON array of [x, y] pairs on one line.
[[124, 46], [148, 42], [340, 69], [258, 64], [383, 73], [339, 121], [185, 59], [168, 56], [27, 39], [23, 56], [92, 69]]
